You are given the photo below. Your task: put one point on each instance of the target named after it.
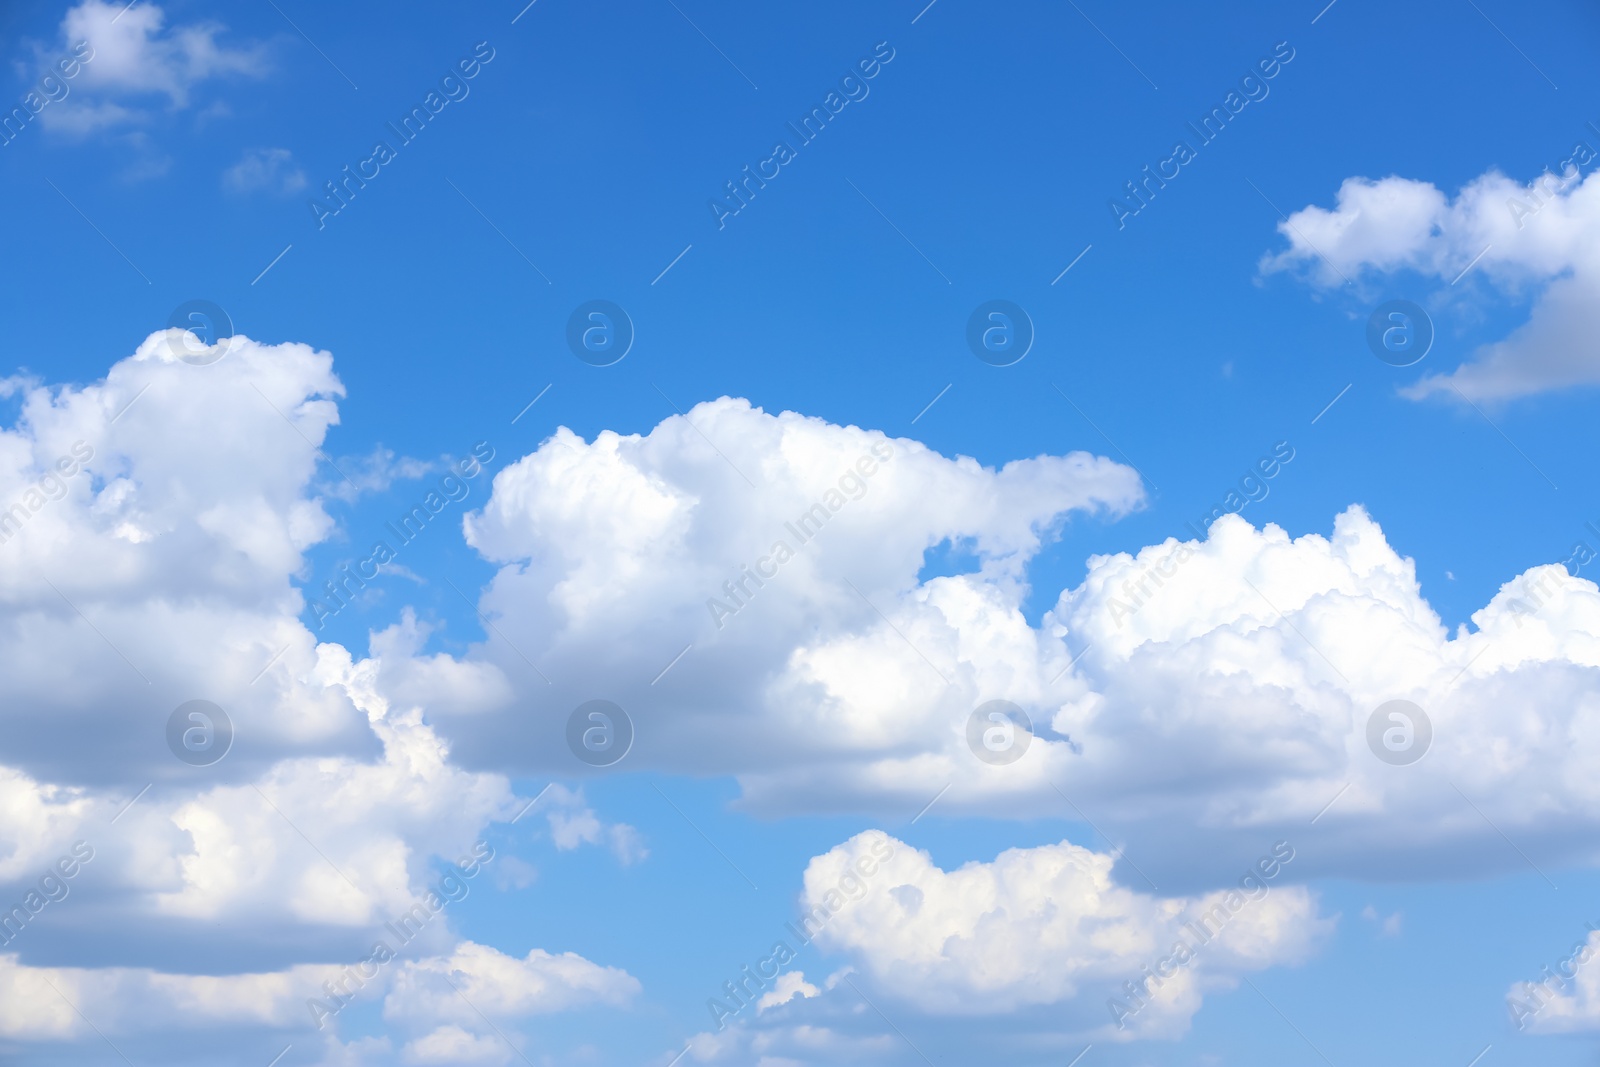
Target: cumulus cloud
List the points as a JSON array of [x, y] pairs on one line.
[[615, 554], [1242, 687], [501, 986], [1538, 241], [1199, 699], [1032, 950], [152, 527], [137, 57], [1223, 686], [785, 988], [1049, 925]]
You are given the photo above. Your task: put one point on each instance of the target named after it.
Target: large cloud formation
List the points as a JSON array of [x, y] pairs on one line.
[[152, 527], [1191, 696], [754, 589], [782, 552], [1542, 237]]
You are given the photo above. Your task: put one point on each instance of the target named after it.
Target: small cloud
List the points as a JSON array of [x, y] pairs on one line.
[[627, 845], [400, 571], [574, 823], [374, 472], [265, 170], [789, 985], [1390, 925]]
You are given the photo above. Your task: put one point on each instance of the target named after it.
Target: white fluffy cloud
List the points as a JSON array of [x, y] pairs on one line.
[[1034, 949], [152, 527], [1238, 694], [573, 823], [1200, 700], [1049, 926], [447, 989], [1538, 240], [616, 554], [136, 57], [452, 1045], [1229, 698]]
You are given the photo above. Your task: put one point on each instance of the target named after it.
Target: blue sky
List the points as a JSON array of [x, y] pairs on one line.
[[1412, 533]]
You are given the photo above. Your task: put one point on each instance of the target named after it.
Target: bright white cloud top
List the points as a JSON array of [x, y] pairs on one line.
[[1540, 238]]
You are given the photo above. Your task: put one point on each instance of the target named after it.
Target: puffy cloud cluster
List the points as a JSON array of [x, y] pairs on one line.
[[152, 527], [1038, 945], [763, 542], [1049, 925], [1220, 686], [160, 568], [1197, 705], [1239, 693], [1542, 238]]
